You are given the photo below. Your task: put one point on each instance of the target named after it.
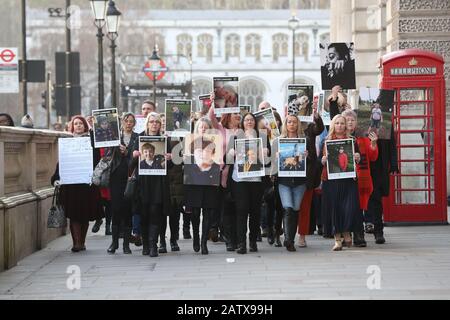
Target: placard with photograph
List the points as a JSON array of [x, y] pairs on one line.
[[152, 161], [265, 120], [76, 160], [178, 117], [249, 158], [300, 101], [203, 155], [106, 128], [337, 65], [340, 161], [226, 95], [324, 107], [375, 112], [291, 157], [204, 103], [245, 109], [140, 123]]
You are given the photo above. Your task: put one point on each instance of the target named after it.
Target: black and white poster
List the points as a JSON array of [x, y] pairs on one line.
[[323, 107], [375, 112], [337, 65], [226, 95], [202, 159], [300, 101], [291, 157], [152, 161], [249, 158], [178, 117], [340, 161], [106, 128]]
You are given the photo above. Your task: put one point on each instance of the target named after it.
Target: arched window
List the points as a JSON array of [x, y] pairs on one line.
[[184, 45], [232, 46], [205, 46], [279, 46], [253, 46], [251, 92], [302, 45]]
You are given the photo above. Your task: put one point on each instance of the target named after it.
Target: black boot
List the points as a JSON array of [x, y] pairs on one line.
[[187, 226], [162, 244], [290, 227], [174, 245], [379, 238], [108, 230], [126, 240], [115, 240], [278, 240], [205, 229], [270, 236], [153, 240], [195, 218], [242, 248], [145, 243], [358, 239], [253, 246]]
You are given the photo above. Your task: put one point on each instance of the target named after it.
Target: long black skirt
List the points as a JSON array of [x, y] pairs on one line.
[[340, 204]]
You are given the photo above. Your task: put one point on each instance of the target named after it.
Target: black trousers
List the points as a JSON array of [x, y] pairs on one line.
[[206, 223], [274, 211], [151, 219], [229, 215], [248, 197], [121, 214], [375, 210]]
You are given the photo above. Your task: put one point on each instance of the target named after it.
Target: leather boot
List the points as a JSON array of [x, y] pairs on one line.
[[126, 240], [187, 226], [242, 248], [286, 226], [162, 244], [379, 238], [290, 228], [253, 246], [205, 230], [270, 236], [358, 239], [145, 243], [277, 239], [195, 218], [153, 240], [174, 245], [115, 240]]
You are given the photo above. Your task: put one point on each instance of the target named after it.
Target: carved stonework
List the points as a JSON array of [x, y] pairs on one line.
[[438, 46], [447, 73], [424, 25], [14, 148], [411, 5]]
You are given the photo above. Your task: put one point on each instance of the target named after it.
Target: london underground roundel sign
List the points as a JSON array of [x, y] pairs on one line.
[[154, 70]]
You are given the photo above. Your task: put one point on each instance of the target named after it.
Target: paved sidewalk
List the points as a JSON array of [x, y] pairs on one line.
[[414, 264]]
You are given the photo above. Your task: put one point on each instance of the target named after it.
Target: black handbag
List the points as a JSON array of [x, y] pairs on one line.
[[131, 187], [56, 216]]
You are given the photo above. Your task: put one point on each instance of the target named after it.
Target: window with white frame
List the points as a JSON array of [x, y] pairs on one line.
[[302, 45], [232, 46], [205, 46], [184, 45], [251, 92], [279, 46], [253, 46]]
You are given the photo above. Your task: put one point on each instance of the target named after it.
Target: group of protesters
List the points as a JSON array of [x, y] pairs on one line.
[[267, 206]]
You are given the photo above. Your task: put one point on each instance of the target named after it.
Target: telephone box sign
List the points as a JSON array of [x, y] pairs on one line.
[[413, 71]]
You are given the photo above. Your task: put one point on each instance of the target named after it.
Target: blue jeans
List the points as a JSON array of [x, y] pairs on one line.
[[136, 224], [291, 197]]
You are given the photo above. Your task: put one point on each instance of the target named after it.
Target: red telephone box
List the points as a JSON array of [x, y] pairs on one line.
[[419, 192]]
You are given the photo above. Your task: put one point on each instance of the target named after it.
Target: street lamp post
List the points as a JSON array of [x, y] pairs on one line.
[[155, 60], [112, 25], [99, 10], [293, 23]]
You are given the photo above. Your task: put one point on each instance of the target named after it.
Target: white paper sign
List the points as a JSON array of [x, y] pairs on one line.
[[140, 123], [9, 70], [75, 160]]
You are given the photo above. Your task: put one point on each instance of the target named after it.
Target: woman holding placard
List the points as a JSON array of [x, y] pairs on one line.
[[153, 192], [340, 197], [80, 201]]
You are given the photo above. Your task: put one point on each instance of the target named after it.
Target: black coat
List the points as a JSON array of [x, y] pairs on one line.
[[152, 190], [385, 164]]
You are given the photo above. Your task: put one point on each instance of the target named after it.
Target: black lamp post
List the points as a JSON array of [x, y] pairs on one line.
[[99, 10], [154, 62], [293, 23], [112, 25]]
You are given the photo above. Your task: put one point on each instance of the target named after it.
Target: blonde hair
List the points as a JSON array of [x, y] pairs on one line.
[[204, 120], [300, 128], [156, 116], [333, 123]]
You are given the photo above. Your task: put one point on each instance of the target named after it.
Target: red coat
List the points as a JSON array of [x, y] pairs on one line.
[[365, 186]]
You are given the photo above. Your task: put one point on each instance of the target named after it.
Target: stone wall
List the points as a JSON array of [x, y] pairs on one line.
[[27, 161]]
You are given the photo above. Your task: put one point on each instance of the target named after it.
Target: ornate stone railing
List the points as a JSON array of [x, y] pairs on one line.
[[27, 161]]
